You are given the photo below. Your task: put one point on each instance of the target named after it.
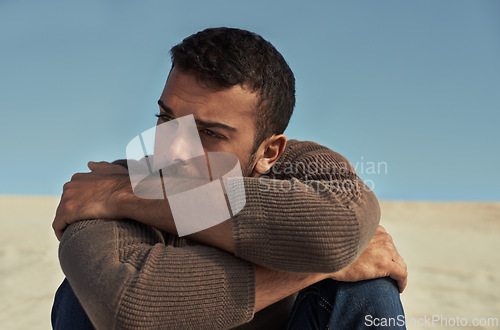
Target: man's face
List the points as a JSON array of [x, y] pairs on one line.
[[225, 118]]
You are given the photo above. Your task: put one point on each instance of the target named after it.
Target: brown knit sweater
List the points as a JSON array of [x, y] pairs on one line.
[[310, 213]]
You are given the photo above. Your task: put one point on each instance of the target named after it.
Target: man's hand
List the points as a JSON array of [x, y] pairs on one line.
[[92, 195], [379, 259]]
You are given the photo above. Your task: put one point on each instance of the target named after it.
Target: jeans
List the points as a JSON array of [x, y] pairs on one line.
[[328, 304], [67, 313]]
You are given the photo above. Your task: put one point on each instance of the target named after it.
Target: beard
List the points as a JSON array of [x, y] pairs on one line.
[[249, 168]]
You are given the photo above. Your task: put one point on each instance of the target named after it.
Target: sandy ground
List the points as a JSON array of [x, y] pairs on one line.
[[452, 252]]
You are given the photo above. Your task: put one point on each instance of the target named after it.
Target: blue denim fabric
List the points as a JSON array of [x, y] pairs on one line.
[[331, 304], [67, 313], [325, 305]]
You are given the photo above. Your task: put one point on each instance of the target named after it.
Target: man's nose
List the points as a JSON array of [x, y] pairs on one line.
[[180, 151], [177, 142]]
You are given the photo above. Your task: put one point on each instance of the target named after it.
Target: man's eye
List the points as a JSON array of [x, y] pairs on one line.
[[210, 132], [163, 117]]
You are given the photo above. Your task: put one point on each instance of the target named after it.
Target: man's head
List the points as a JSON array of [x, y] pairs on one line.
[[236, 78]]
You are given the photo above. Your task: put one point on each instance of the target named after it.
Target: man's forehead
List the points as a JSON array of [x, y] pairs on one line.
[[185, 90], [178, 78]]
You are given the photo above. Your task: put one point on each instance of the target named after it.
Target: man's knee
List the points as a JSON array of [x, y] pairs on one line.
[[373, 301]]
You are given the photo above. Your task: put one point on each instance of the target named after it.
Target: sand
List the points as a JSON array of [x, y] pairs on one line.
[[452, 252], [29, 268]]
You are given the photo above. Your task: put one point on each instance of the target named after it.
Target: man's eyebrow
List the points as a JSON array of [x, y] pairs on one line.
[[208, 124], [165, 108]]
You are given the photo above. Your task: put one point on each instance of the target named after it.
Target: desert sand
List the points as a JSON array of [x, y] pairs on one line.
[[452, 252]]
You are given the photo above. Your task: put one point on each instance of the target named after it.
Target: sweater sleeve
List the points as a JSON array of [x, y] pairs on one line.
[[126, 277], [311, 213]]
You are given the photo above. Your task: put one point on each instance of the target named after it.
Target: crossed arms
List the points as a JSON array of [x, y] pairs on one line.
[[127, 274]]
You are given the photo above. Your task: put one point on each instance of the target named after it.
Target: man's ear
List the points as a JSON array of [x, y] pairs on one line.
[[272, 148]]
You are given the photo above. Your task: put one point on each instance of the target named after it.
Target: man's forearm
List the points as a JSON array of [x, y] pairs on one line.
[[105, 260], [127, 276], [265, 234], [270, 285], [156, 213]]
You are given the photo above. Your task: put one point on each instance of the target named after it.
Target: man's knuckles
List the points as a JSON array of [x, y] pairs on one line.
[[70, 207], [78, 176], [67, 186], [386, 264], [96, 165], [389, 247]]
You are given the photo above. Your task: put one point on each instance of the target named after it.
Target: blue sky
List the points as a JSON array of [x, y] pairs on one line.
[[412, 87]]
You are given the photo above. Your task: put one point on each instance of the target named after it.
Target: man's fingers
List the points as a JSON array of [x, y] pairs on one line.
[[58, 234], [58, 227], [60, 221], [402, 269], [93, 166], [87, 195], [402, 284], [400, 274], [398, 268], [77, 176], [106, 168]]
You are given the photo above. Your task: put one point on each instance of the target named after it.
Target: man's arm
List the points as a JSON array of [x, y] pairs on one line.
[[312, 213], [315, 215], [126, 277]]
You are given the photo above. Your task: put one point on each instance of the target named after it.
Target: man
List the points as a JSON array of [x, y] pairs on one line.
[[308, 221]]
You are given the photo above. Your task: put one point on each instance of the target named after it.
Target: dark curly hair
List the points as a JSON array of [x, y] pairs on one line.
[[224, 57]]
